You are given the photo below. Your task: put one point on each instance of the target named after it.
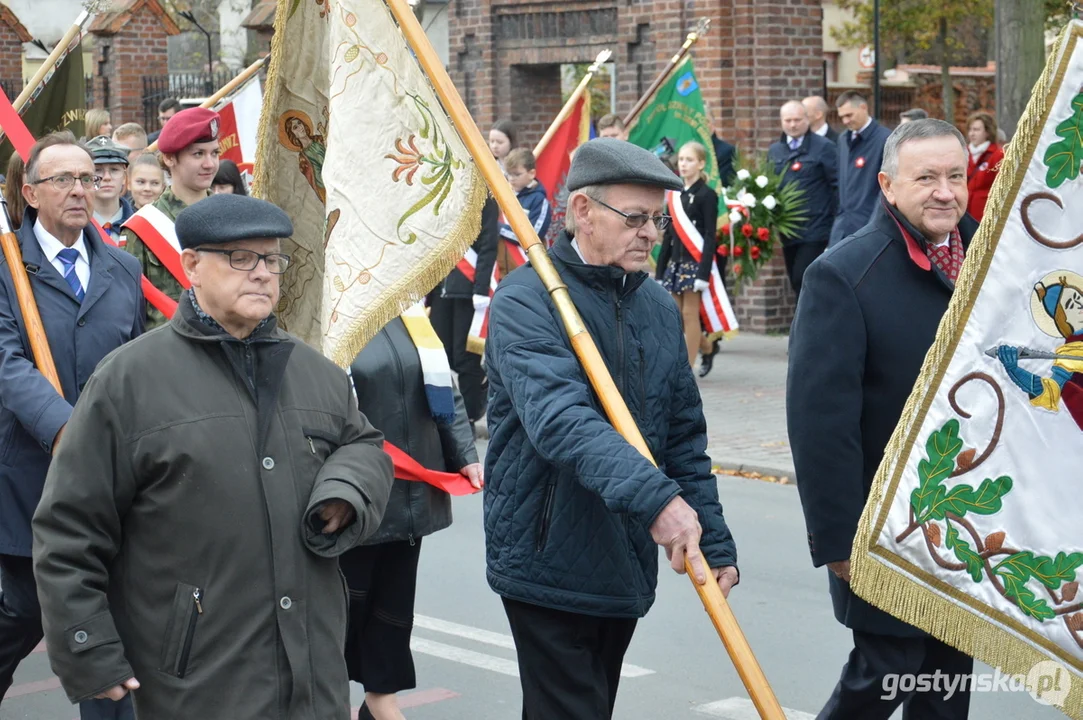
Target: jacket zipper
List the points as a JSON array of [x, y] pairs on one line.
[[402, 400], [643, 382], [547, 511], [620, 344], [186, 649]]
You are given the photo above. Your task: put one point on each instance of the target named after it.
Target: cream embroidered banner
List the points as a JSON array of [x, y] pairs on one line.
[[355, 146], [974, 528]]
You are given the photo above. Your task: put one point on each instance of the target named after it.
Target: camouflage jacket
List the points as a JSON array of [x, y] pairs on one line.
[[155, 271]]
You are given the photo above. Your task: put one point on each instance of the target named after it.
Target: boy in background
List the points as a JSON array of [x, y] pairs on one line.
[[522, 170]]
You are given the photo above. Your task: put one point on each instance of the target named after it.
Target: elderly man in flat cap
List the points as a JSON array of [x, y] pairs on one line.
[[187, 539], [188, 149], [573, 513]]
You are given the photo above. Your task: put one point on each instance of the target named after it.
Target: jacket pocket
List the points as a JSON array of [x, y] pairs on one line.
[[185, 612], [546, 517], [321, 443]]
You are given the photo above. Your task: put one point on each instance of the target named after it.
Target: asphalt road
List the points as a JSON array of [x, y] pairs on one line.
[[676, 666]]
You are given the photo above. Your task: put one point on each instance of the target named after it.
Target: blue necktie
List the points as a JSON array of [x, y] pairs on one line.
[[794, 143], [68, 256]]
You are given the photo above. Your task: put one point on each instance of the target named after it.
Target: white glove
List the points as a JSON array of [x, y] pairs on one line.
[[481, 302], [701, 285]]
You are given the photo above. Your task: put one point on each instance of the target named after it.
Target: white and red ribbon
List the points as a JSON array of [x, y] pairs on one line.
[[715, 308]]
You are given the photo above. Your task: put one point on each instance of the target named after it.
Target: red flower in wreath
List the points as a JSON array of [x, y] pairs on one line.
[[724, 250], [763, 234], [747, 230], [736, 268], [754, 253], [738, 251], [724, 230]]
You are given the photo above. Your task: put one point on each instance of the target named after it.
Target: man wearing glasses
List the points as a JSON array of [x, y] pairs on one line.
[[186, 543], [573, 513], [90, 302], [189, 151], [111, 208]]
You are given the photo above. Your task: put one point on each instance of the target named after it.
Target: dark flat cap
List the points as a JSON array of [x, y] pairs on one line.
[[225, 218], [608, 161], [105, 151]]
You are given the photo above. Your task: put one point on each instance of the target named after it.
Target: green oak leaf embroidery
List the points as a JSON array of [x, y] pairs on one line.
[[963, 499], [942, 447], [964, 553], [1064, 156]]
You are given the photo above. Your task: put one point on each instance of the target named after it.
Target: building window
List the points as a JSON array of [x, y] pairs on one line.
[[831, 66]]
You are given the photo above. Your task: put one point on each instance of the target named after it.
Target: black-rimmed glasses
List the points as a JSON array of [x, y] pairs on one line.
[[66, 182], [638, 220], [247, 260]]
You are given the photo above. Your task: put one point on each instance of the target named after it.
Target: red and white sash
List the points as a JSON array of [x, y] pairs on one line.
[[468, 265], [158, 233], [479, 327], [715, 309], [165, 304]]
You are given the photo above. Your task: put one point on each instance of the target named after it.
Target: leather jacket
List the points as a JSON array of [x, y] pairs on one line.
[[391, 393]]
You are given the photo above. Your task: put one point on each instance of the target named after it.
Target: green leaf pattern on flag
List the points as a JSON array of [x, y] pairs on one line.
[[942, 447], [964, 553], [963, 499], [1065, 156]]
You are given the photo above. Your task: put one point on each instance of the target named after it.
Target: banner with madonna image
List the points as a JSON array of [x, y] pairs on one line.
[[355, 146], [973, 530]]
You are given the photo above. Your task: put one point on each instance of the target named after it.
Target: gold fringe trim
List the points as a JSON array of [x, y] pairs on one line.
[[265, 145], [955, 617], [422, 278]]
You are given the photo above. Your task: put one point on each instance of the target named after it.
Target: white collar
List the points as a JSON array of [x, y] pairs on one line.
[[51, 246], [977, 150], [865, 126], [822, 131], [575, 246]]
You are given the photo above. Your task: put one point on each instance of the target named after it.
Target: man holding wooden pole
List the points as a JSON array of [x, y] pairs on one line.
[[573, 512], [90, 303]]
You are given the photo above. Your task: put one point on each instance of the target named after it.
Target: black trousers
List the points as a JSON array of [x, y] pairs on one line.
[[383, 581], [569, 664], [451, 318], [20, 632], [861, 689], [798, 258]]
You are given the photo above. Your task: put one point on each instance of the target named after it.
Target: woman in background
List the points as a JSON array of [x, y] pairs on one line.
[[228, 179], [984, 161], [404, 387], [98, 123], [501, 140]]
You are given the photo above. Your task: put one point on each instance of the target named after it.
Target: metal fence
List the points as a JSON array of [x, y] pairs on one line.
[[12, 88], [178, 85]]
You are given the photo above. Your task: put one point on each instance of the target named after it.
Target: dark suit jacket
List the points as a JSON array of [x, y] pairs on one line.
[[866, 317], [813, 166], [832, 134], [859, 190], [80, 335], [724, 154]]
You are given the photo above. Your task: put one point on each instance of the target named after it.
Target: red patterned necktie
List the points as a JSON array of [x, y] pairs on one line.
[[949, 256]]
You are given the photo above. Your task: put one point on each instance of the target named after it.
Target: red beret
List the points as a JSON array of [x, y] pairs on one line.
[[187, 127]]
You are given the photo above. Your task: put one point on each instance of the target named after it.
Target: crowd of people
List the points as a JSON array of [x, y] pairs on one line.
[[222, 429]]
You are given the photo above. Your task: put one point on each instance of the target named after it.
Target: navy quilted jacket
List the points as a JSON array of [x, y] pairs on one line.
[[569, 503]]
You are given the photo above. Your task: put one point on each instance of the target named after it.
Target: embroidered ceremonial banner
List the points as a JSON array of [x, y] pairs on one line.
[[974, 527], [355, 146]]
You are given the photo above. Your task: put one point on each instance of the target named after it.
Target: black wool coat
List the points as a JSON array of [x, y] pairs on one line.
[[866, 317]]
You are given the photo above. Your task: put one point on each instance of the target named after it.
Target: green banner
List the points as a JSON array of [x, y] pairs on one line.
[[676, 114], [61, 104]]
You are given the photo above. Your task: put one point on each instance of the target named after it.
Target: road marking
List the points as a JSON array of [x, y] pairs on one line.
[[501, 640], [742, 709], [464, 656]]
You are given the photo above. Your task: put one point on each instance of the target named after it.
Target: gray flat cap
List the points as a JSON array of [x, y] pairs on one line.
[[105, 151], [225, 218], [608, 161]]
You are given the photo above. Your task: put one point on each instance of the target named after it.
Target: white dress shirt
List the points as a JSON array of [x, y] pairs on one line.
[[822, 132], [51, 247]]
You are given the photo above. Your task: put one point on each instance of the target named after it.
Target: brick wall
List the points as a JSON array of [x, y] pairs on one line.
[[12, 36], [130, 42], [504, 56]]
